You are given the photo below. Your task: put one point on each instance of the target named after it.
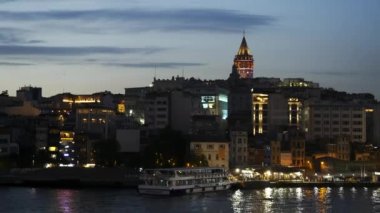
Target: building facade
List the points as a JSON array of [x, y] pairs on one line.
[[275, 146], [216, 152], [238, 148], [273, 112], [329, 120], [297, 148]]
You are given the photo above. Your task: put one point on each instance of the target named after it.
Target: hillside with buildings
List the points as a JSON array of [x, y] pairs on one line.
[[238, 122]]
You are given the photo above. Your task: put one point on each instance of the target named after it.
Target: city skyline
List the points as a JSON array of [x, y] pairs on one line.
[[86, 47]]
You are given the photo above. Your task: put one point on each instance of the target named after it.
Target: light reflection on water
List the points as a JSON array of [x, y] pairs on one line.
[[65, 200], [322, 199], [376, 200]]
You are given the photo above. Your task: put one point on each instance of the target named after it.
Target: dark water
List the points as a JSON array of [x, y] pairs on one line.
[[18, 199]]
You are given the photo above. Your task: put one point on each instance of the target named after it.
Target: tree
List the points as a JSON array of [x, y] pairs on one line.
[[168, 149], [106, 152], [196, 160], [41, 158]]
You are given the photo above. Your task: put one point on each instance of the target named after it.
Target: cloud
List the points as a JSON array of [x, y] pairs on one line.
[[211, 20], [167, 65], [345, 73], [66, 51], [14, 64], [15, 36], [333, 73]]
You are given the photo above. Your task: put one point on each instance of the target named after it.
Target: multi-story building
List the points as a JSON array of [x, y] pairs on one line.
[[275, 147], [297, 148], [53, 147], [295, 112], [215, 151], [62, 149], [238, 148], [362, 156], [157, 110], [274, 112], [256, 156], [260, 113], [17, 107], [181, 105], [331, 150], [209, 117], [95, 120], [298, 82], [343, 148], [239, 108], [135, 100], [286, 158], [30, 94], [42, 133], [189, 105], [68, 149], [333, 119], [6, 146]]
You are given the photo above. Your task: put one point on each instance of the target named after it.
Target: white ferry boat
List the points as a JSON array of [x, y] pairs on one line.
[[173, 181]]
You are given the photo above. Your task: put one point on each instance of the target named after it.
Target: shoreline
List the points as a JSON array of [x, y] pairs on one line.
[[72, 178], [129, 179], [285, 184], [133, 183]]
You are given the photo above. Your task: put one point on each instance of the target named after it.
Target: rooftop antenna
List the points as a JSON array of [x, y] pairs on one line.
[[64, 78], [183, 72], [155, 72]]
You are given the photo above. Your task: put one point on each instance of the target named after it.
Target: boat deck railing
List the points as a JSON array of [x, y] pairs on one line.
[[184, 176]]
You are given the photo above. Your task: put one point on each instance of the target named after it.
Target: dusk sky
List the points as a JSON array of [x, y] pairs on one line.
[[91, 46]]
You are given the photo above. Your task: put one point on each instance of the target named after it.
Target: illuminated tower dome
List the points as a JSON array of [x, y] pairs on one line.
[[244, 60]]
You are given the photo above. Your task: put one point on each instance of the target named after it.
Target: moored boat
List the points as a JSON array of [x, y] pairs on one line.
[[174, 181]]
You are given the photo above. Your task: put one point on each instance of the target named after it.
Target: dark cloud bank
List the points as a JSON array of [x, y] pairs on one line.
[[212, 20]]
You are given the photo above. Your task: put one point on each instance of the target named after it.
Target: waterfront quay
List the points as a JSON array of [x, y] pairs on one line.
[[280, 177], [129, 178], [289, 184], [71, 177]]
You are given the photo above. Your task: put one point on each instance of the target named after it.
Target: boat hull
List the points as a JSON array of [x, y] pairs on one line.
[[181, 191]]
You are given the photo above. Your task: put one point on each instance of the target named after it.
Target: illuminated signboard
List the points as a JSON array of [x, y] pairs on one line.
[[208, 102]]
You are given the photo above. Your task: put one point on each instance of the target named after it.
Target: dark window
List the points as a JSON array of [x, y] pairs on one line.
[[4, 149], [3, 141]]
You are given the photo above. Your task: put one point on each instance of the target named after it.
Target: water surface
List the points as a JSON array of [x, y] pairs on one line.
[[20, 199]]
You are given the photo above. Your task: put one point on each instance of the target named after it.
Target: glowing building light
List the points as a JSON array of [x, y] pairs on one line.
[[89, 165], [52, 148]]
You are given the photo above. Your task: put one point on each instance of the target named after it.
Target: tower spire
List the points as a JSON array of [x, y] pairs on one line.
[[244, 60]]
